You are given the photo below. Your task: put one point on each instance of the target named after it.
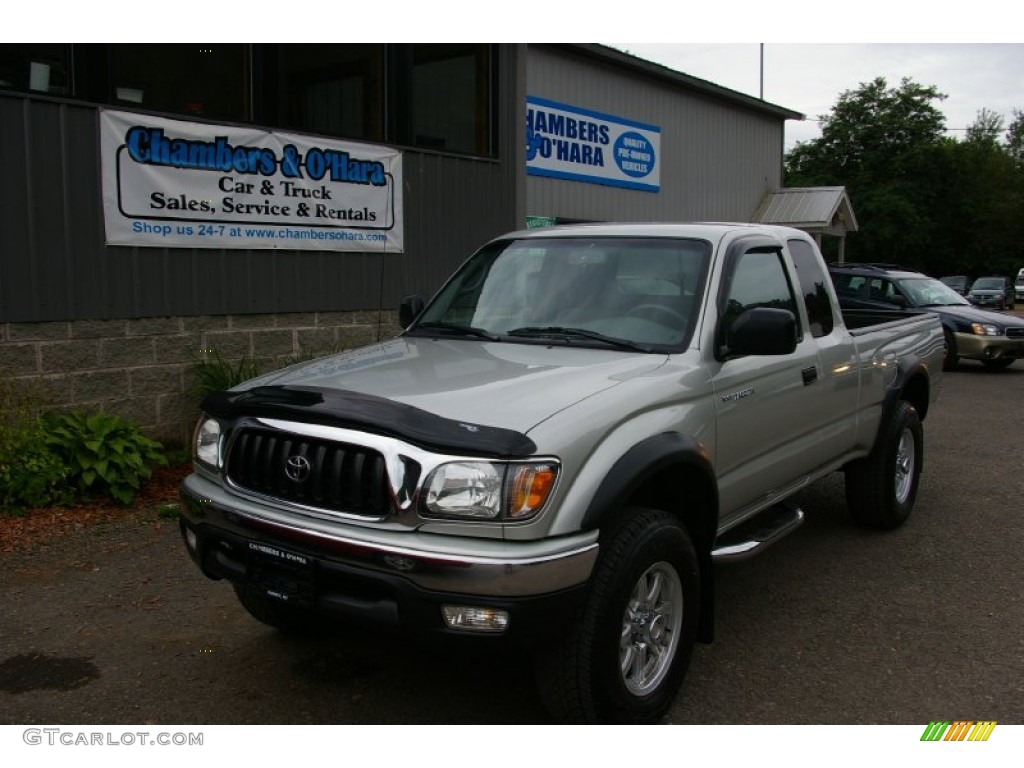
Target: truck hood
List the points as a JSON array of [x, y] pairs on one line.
[[500, 384]]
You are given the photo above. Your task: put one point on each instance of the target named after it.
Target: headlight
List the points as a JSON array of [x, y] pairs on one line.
[[485, 490], [465, 489], [985, 329], [206, 445]]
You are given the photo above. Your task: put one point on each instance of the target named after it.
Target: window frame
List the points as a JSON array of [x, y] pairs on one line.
[[735, 255]]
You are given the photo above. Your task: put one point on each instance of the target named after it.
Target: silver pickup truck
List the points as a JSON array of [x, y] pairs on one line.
[[559, 447]]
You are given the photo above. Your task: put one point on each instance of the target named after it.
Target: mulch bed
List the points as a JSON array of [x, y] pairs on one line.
[[38, 526]]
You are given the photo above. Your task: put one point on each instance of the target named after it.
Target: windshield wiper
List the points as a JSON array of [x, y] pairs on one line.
[[568, 333], [458, 330]]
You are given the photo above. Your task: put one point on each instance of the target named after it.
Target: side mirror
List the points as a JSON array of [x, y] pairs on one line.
[[899, 301], [763, 331], [409, 310]]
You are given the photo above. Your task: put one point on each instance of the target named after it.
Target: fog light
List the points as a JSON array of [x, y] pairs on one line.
[[190, 539], [475, 618]]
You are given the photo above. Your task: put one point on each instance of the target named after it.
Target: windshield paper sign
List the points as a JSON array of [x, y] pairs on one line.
[[564, 142], [176, 183]]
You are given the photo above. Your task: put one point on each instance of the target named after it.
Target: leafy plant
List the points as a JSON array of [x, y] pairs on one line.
[[31, 475], [213, 373], [105, 453], [169, 510]]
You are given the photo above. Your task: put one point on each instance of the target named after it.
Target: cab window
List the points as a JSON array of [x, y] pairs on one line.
[[812, 285], [758, 279]]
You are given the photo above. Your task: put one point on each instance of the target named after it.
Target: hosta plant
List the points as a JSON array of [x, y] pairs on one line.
[[105, 453]]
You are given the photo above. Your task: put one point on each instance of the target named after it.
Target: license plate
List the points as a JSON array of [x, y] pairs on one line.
[[280, 573]]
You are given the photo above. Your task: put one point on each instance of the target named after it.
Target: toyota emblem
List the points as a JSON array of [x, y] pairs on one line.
[[297, 468]]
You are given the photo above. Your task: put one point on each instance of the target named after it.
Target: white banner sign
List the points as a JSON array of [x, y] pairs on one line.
[[565, 142], [176, 183]]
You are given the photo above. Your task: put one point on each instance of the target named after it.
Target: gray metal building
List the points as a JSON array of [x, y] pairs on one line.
[[722, 151], [116, 326]]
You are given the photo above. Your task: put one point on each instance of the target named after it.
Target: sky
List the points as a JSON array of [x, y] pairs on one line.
[[809, 78]]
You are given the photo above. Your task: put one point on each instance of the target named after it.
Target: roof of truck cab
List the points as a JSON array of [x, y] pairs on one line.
[[704, 230]]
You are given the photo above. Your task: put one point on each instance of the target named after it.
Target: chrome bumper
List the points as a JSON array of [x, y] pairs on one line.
[[430, 561]]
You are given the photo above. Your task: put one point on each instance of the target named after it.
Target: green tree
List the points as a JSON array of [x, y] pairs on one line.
[[1015, 138], [988, 186], [885, 145], [986, 129]]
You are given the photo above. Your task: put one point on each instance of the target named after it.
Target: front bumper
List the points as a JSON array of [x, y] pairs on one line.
[[988, 301], [975, 347], [385, 577]]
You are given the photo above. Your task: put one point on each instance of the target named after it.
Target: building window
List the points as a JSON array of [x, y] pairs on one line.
[[36, 67], [440, 97], [192, 79], [337, 90], [206, 79]]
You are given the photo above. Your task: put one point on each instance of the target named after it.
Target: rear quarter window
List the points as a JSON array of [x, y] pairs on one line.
[[812, 277]]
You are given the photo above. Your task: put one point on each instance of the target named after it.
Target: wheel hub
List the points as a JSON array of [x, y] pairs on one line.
[[651, 626], [905, 458]]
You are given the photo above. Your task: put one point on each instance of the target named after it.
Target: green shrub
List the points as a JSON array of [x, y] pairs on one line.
[[105, 453], [31, 475], [213, 373]]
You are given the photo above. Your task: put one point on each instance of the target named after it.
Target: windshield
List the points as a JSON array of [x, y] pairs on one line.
[[987, 284], [929, 292], [639, 293]]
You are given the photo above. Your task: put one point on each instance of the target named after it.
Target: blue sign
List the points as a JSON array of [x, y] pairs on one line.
[[566, 142]]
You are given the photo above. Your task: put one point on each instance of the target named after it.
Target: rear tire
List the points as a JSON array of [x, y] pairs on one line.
[[630, 645], [881, 487]]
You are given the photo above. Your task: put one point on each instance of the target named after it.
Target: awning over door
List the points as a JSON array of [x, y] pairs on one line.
[[816, 210]]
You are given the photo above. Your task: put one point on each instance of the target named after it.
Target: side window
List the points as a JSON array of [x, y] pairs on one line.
[[812, 285], [758, 279], [883, 290]]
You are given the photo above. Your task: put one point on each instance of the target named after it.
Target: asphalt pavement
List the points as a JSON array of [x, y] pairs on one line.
[[832, 625]]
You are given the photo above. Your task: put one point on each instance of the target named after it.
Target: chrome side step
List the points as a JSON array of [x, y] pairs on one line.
[[755, 536]]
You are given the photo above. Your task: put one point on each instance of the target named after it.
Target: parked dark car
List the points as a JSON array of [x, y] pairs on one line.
[[971, 332], [959, 283], [992, 292]]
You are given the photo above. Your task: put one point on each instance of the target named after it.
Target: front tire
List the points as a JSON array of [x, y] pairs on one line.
[[951, 360], [881, 487], [628, 650]]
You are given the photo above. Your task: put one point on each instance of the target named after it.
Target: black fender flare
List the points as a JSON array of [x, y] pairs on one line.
[[640, 464], [910, 368]]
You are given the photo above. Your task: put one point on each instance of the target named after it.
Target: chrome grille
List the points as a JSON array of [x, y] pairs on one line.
[[323, 474]]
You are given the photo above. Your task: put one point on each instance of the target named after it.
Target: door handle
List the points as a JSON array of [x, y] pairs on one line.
[[810, 375]]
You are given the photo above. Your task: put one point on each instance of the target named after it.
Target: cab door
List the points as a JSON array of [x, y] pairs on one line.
[[767, 438]]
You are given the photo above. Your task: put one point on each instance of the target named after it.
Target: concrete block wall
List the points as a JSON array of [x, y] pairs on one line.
[[140, 368]]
